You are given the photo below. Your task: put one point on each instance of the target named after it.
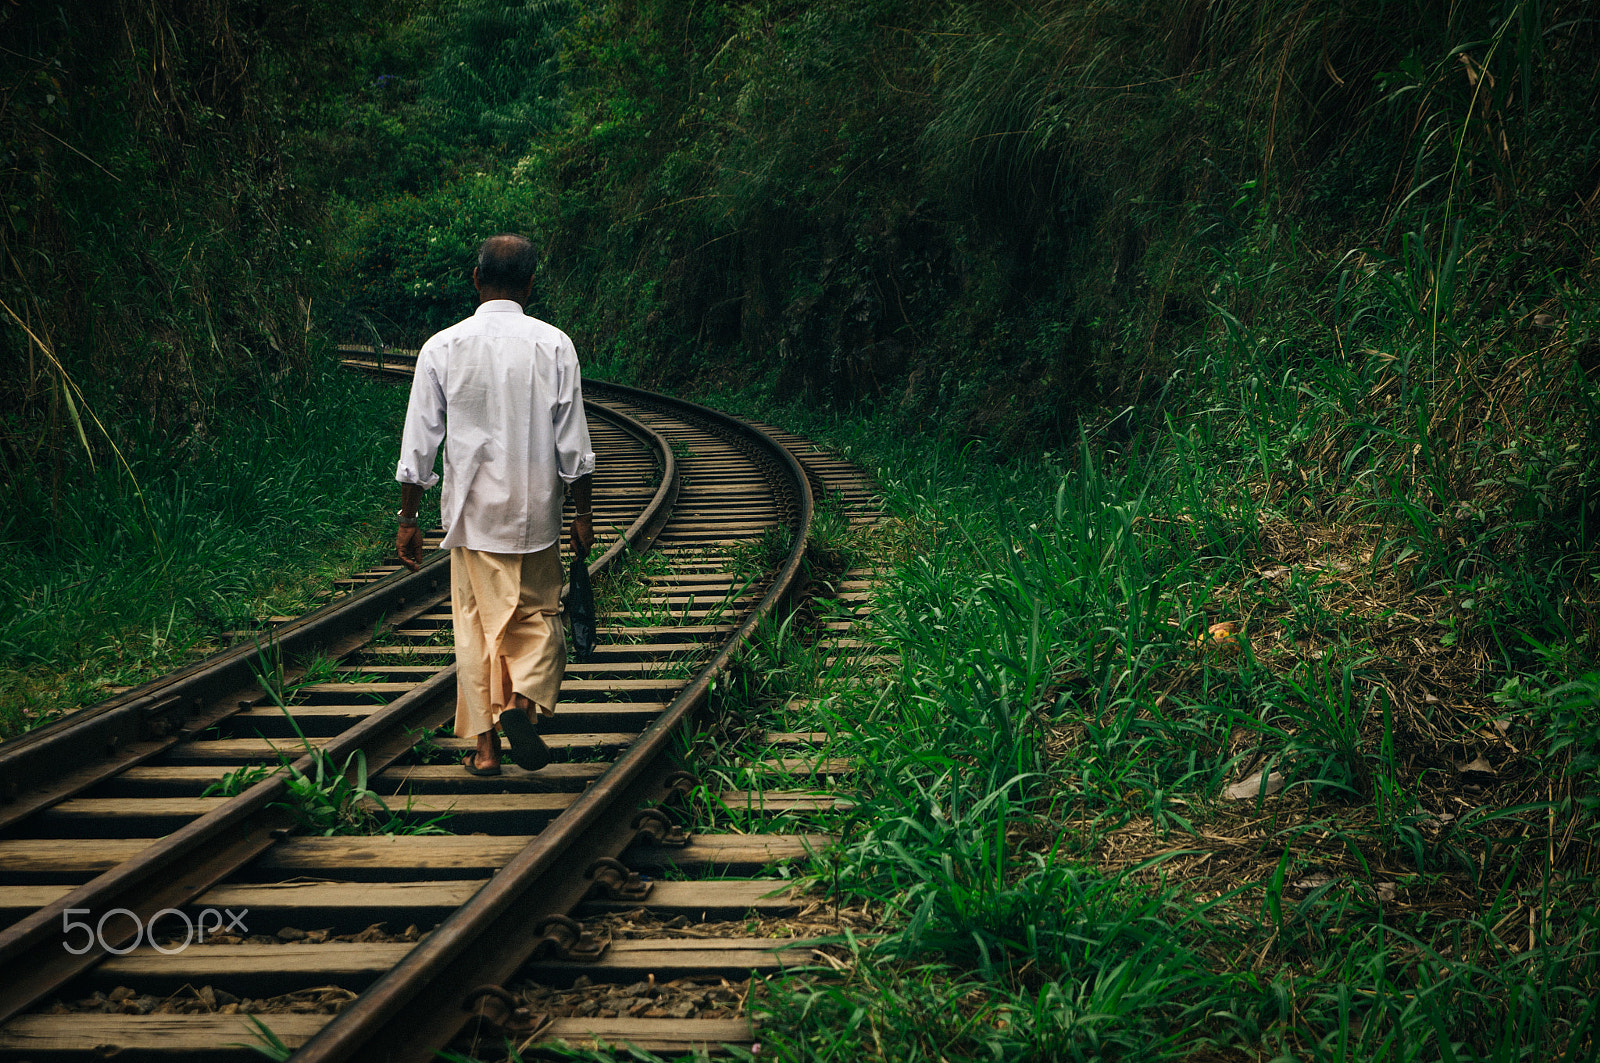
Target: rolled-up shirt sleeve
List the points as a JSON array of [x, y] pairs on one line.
[[574, 455], [424, 430]]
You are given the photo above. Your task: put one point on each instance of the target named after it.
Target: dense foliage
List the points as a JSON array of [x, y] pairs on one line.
[[161, 288], [1151, 314], [997, 217], [157, 250]]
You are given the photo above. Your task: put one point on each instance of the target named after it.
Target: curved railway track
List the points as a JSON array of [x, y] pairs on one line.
[[107, 823]]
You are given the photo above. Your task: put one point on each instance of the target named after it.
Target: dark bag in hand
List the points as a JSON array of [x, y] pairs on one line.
[[580, 608]]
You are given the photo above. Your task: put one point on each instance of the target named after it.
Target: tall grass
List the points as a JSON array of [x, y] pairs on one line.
[[253, 520], [158, 237], [1392, 504]]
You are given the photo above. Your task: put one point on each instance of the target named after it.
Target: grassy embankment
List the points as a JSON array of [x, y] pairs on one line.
[[110, 587], [1045, 819]]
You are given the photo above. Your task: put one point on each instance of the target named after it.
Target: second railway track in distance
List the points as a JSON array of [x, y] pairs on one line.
[[389, 945]]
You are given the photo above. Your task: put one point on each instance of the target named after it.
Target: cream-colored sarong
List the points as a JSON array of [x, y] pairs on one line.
[[508, 633]]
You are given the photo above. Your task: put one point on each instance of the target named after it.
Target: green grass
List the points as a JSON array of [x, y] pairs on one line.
[[1042, 779], [1043, 817], [101, 590]]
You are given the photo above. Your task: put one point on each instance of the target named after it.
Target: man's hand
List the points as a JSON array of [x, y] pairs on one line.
[[581, 492], [408, 544], [408, 539], [582, 536]]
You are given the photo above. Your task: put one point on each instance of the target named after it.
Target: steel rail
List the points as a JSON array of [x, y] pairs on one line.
[[418, 1005], [102, 740], [182, 865]]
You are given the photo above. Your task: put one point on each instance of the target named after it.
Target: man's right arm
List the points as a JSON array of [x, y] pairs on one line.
[[408, 537], [419, 447]]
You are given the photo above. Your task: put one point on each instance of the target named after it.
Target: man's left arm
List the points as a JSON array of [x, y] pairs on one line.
[[408, 537]]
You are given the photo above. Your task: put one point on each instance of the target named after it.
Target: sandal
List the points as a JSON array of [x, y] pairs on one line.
[[470, 763], [527, 748]]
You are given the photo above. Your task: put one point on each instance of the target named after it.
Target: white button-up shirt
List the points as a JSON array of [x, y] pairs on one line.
[[508, 388]]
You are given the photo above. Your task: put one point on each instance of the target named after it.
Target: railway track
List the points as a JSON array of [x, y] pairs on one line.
[[387, 944]]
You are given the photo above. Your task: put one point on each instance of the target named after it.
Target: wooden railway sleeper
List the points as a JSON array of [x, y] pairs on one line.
[[615, 881]]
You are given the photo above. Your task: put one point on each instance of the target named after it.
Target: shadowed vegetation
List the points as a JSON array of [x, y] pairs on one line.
[[169, 470], [112, 588], [1152, 316]]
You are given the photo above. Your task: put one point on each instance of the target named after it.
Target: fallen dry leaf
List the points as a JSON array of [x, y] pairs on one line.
[[1311, 882], [1251, 787]]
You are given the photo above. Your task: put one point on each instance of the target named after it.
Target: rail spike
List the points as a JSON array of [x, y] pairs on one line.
[[614, 881], [563, 938], [504, 1010], [681, 781], [653, 825]]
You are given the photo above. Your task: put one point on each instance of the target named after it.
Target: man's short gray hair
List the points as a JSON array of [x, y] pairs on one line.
[[506, 262]]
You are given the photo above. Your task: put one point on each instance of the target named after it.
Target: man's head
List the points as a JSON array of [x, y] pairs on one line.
[[505, 268]]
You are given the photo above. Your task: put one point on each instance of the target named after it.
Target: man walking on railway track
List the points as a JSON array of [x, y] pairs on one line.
[[505, 388]]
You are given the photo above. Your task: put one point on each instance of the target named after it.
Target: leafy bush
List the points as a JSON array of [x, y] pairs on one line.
[[999, 220], [407, 261], [496, 75]]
